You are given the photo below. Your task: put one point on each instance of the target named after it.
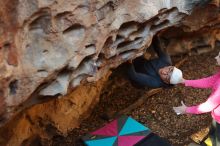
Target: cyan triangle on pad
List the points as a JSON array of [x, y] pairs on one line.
[[132, 126], [102, 142]]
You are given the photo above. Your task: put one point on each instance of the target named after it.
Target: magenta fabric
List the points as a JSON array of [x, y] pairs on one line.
[[124, 131], [108, 130], [129, 140], [213, 101]]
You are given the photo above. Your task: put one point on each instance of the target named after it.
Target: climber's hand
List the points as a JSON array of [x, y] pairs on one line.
[[130, 61], [180, 109]]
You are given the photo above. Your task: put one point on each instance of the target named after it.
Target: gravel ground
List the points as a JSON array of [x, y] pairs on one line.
[[156, 112]]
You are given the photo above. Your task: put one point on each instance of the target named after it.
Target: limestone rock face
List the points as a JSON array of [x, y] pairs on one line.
[[48, 48]]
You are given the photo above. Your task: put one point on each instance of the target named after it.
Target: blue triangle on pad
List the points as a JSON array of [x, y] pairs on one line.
[[132, 126], [102, 142]]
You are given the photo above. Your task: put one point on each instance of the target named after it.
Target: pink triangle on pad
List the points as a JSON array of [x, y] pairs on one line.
[[110, 129], [129, 140]]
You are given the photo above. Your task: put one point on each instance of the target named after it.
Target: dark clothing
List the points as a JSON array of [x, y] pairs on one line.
[[153, 140], [145, 72], [214, 134]]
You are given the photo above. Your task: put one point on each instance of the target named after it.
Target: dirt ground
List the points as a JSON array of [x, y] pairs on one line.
[[156, 113]]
